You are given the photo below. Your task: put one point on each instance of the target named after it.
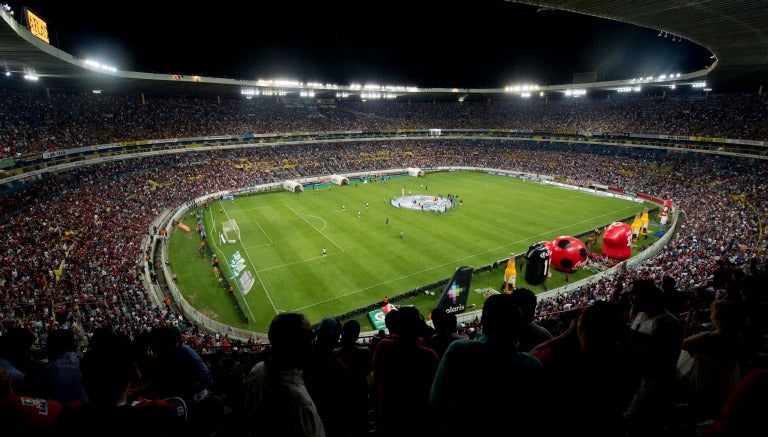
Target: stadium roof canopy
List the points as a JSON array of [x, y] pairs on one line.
[[736, 32]]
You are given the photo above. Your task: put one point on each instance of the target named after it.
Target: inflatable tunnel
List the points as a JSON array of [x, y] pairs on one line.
[[293, 186], [412, 171], [339, 180]]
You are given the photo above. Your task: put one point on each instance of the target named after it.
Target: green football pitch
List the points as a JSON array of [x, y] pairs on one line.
[[283, 237]]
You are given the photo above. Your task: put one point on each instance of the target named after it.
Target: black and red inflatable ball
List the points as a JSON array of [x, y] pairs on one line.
[[569, 254]]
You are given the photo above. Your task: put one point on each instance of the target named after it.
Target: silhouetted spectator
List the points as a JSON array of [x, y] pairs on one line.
[[110, 373], [403, 369], [708, 366], [591, 373], [531, 333], [59, 378], [391, 321], [658, 335], [276, 400], [176, 370], [674, 300], [380, 334], [16, 356], [327, 379], [359, 361], [755, 306], [480, 370], [446, 331]]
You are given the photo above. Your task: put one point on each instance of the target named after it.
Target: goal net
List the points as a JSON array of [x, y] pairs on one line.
[[230, 233]]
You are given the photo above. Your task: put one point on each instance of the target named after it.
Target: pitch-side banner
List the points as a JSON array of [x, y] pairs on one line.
[[246, 281], [378, 316], [454, 297], [236, 264], [377, 319]]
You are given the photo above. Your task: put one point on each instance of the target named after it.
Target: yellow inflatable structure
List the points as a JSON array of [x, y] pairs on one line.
[[636, 226], [644, 223], [510, 275]]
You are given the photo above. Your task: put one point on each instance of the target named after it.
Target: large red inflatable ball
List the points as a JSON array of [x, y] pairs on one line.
[[617, 241], [569, 254]]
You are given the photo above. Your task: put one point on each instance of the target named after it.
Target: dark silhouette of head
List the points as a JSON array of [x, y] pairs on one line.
[[600, 326], [444, 322], [527, 301], [411, 324], [108, 367], [327, 333], [16, 344], [291, 339], [391, 321], [165, 339], [350, 332], [59, 342], [668, 284], [645, 295], [501, 318]]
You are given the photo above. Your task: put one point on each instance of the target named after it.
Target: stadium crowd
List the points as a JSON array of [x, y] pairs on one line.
[[38, 122], [72, 289]]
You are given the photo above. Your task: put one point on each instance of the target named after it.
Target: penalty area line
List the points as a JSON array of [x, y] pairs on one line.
[[320, 231]]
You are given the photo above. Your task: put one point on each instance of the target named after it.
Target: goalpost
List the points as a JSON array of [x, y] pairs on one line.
[[230, 233]]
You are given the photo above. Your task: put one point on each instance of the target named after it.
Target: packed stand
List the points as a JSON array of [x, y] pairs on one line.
[[71, 291]]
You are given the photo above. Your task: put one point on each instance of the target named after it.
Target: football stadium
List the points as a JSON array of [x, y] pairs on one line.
[[191, 255]]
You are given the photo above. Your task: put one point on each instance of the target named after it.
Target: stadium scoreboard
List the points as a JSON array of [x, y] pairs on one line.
[[37, 25]]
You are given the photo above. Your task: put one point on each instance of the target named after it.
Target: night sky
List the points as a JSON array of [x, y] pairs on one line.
[[463, 44]]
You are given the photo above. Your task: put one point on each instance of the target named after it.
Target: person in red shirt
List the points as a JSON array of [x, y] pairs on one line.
[[24, 415]]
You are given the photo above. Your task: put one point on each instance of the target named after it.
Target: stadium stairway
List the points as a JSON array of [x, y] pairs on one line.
[[158, 280]]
